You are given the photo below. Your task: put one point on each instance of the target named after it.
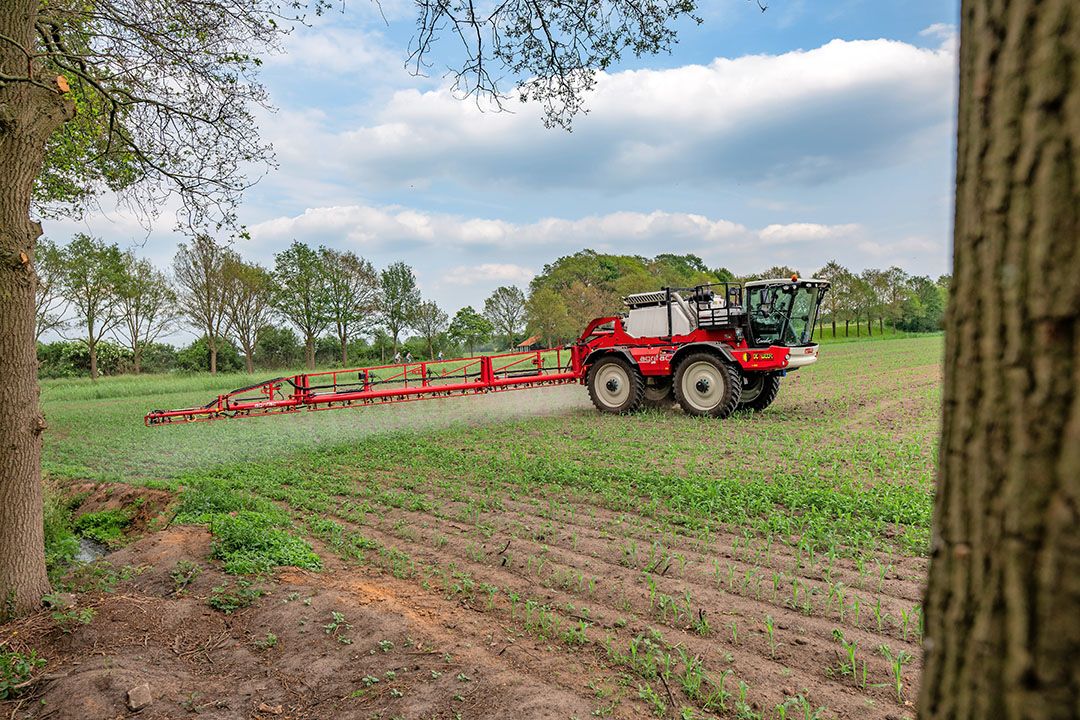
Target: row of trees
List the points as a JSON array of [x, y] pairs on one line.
[[336, 302], [331, 298], [105, 293]]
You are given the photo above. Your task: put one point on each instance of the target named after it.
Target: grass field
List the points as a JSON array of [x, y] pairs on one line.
[[764, 566]]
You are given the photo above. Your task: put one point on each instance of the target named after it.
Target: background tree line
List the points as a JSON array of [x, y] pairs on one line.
[[321, 306]]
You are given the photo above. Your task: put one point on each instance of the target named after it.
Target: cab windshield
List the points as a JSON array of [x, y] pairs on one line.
[[783, 314]]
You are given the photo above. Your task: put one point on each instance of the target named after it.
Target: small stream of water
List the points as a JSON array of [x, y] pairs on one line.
[[90, 550]]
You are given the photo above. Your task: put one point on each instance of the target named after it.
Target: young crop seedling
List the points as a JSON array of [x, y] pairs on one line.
[[717, 699], [897, 663], [742, 706], [883, 571], [491, 591], [575, 636], [701, 624], [879, 616], [656, 703], [693, 675], [848, 665], [905, 618], [770, 635], [801, 709]]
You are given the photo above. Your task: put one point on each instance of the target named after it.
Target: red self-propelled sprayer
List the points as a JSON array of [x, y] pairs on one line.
[[712, 348]]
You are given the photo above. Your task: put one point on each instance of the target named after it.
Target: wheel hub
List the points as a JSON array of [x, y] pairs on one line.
[[702, 386], [612, 385]]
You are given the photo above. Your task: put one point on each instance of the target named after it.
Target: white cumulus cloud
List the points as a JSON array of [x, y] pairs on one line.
[[805, 116]]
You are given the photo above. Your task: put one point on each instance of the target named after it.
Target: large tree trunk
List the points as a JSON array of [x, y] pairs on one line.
[[309, 352], [344, 352], [137, 358], [1003, 602], [29, 114], [213, 358], [249, 360]]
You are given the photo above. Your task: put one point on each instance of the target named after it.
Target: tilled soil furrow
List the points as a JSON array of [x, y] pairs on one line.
[[817, 651]]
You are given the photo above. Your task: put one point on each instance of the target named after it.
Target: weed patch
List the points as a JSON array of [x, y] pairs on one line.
[[249, 543], [229, 598], [106, 526], [16, 670]]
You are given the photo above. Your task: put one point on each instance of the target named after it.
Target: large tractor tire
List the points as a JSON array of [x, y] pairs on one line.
[[706, 385], [615, 386], [758, 391], [659, 393]]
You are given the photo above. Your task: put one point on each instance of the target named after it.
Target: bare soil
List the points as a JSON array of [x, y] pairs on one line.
[[414, 647]]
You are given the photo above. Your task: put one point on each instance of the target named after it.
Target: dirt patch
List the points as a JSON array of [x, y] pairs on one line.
[[345, 642]]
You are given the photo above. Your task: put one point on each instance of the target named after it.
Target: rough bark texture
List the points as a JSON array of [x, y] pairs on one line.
[[1003, 603], [29, 114]]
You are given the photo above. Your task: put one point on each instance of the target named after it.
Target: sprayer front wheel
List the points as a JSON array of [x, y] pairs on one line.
[[758, 391], [615, 386], [706, 385]]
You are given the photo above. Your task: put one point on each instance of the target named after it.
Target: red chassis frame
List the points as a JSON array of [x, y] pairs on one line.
[[472, 376]]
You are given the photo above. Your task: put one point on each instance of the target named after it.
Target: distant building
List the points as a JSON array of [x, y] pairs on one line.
[[529, 343]]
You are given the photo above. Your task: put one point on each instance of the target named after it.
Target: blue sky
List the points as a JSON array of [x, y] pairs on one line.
[[812, 131]]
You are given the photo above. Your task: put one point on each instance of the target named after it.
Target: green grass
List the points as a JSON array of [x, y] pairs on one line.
[[825, 335], [811, 452]]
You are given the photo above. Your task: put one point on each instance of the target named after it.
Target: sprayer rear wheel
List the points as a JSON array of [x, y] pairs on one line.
[[615, 386]]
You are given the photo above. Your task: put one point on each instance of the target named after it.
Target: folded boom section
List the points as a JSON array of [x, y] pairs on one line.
[[384, 384]]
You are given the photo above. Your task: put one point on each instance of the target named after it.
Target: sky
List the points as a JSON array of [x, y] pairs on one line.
[[809, 132]]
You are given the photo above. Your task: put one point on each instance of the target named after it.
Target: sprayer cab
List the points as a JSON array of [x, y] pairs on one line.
[[783, 312]]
